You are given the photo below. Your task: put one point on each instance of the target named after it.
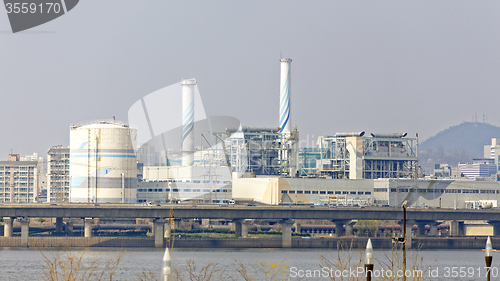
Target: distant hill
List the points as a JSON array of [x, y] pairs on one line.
[[456, 144]]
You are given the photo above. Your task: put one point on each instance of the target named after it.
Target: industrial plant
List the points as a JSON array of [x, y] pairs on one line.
[[105, 164]]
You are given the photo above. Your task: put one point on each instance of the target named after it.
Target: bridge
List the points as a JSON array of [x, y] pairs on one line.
[[341, 216]]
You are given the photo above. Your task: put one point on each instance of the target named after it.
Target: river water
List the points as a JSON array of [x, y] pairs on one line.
[[28, 264]]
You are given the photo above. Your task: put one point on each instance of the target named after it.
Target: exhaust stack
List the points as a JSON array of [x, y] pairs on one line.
[[187, 143], [285, 103]]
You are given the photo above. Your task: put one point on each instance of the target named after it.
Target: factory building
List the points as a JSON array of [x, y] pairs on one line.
[[18, 180], [203, 184], [103, 164], [58, 179], [278, 190], [457, 194], [356, 156]]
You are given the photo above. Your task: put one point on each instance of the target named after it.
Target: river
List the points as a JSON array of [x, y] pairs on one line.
[[28, 264]]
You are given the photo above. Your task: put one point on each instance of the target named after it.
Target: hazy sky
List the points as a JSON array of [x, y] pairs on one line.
[[377, 66]]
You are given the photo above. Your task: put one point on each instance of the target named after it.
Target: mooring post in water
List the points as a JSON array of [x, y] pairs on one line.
[[369, 260], [166, 271], [488, 257]]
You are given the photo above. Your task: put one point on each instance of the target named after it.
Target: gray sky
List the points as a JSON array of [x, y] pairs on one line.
[[378, 66]]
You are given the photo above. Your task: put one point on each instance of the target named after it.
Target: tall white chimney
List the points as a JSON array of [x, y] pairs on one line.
[[285, 103], [187, 144]]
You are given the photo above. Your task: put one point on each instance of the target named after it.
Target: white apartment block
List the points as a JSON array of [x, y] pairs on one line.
[[18, 180]]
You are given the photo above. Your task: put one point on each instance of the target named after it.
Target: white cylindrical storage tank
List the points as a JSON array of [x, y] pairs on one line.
[[187, 144], [103, 163], [285, 101]]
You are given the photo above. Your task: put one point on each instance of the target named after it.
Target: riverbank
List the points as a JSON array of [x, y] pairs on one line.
[[329, 242]]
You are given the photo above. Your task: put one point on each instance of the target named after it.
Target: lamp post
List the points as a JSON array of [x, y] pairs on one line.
[[488, 257], [369, 260], [404, 239]]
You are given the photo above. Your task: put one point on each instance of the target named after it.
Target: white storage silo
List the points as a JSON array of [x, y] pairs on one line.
[[103, 165]]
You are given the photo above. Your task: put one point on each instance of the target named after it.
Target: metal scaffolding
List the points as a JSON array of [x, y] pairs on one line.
[[260, 151], [378, 156]]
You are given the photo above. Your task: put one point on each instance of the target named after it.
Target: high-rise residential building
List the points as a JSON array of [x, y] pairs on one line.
[[58, 179], [18, 180]]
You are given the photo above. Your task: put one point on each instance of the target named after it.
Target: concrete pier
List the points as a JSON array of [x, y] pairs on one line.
[[238, 228], [286, 230], [349, 228], [421, 228], [244, 228], [69, 228], [88, 227], [339, 227], [158, 225], [433, 230], [25, 231], [7, 227], [59, 225], [457, 228]]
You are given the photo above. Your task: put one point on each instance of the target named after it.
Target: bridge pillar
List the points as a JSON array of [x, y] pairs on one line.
[[69, 228], [7, 227], [349, 228], [286, 233], [421, 228], [244, 228], [496, 227], [339, 227], [25, 231], [158, 225], [59, 225], [456, 228], [88, 227], [240, 228], [433, 230]]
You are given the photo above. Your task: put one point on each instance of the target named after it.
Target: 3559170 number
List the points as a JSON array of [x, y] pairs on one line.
[[25, 8]]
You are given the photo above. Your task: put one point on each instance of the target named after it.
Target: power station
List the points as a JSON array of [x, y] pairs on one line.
[[259, 164]]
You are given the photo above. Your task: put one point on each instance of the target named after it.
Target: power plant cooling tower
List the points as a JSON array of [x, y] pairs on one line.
[[187, 144], [103, 164], [285, 103]]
